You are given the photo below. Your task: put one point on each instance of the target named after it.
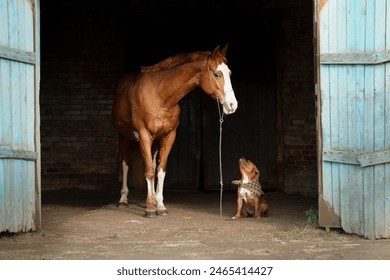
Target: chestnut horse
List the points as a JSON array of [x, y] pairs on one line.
[[146, 109]]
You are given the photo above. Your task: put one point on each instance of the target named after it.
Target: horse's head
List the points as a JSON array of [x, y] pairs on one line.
[[215, 80]]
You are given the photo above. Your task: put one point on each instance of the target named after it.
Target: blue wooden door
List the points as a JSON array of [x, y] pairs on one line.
[[354, 116], [19, 116]]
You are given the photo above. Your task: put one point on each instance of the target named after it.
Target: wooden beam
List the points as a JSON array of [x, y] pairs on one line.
[[14, 154], [356, 58], [17, 55], [355, 158], [346, 157], [374, 158]]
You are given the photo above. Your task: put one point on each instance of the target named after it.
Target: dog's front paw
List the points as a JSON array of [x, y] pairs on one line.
[[236, 217], [236, 182]]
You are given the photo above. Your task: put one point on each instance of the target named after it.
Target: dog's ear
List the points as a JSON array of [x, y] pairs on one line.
[[257, 172]]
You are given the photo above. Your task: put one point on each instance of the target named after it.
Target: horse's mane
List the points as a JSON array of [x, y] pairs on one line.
[[176, 60]]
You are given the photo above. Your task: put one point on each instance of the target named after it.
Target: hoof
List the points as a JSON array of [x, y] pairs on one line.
[[162, 212], [122, 204], [150, 213]]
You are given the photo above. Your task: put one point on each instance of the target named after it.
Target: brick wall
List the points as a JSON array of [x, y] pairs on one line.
[[80, 64], [299, 123]]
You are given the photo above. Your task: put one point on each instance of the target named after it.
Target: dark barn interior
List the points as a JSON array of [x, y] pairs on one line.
[[87, 45]]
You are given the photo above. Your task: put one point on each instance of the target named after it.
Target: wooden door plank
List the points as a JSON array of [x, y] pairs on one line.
[[348, 220], [326, 190], [342, 114], [379, 120], [356, 101], [369, 82], [387, 131], [330, 190], [37, 117], [334, 138]]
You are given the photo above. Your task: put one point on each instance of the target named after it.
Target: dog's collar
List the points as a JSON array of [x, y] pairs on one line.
[[254, 187]]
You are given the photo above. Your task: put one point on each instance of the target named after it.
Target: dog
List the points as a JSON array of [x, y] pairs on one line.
[[250, 196]]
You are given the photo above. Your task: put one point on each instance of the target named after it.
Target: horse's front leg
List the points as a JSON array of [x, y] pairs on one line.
[[146, 149], [165, 148]]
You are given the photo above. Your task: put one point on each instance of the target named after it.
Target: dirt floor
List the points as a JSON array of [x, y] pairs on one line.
[[80, 225]]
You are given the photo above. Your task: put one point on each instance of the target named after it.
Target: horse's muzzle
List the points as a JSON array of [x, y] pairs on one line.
[[230, 103], [229, 108]]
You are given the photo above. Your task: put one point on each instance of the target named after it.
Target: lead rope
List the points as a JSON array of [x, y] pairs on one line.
[[220, 157], [220, 146]]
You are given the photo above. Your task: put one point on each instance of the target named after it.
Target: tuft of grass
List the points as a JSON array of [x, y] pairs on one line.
[[312, 217]]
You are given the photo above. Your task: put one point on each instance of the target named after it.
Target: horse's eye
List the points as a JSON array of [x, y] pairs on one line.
[[217, 75]]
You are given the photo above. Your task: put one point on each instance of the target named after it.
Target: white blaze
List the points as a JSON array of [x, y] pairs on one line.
[[230, 103]]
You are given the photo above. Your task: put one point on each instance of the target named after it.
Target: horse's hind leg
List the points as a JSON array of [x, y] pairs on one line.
[[124, 150], [146, 149]]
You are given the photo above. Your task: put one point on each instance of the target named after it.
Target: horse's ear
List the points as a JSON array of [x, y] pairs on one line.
[[224, 50], [216, 51]]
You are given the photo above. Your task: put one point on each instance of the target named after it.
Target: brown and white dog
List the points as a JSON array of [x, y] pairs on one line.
[[250, 196]]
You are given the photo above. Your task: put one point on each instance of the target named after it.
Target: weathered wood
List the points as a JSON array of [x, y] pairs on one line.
[[37, 114], [355, 158], [345, 157], [354, 121], [19, 116], [374, 158], [360, 58], [368, 123], [17, 55], [12, 154]]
